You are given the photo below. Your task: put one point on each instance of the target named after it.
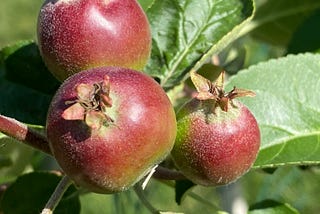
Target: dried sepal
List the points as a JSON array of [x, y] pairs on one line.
[[74, 112], [223, 103], [201, 83], [105, 99], [215, 90], [96, 119], [85, 91], [239, 92], [204, 87], [220, 81], [91, 103]]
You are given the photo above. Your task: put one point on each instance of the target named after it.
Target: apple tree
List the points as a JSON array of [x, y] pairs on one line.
[[164, 106]]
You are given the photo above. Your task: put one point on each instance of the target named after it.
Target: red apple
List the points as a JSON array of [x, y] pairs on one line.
[[75, 35], [108, 126]]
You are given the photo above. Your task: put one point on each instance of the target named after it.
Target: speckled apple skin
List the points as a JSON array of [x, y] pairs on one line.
[[75, 35], [213, 149], [119, 155]]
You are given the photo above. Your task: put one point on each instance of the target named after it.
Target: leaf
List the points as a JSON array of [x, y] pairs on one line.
[[26, 86], [24, 66], [272, 207], [286, 107], [145, 4], [183, 32], [182, 186], [5, 161], [30, 192], [275, 21], [20, 155], [307, 37]]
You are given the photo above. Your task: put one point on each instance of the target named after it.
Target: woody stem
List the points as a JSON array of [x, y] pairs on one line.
[[21, 132]]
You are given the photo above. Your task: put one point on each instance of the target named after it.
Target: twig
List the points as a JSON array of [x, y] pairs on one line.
[[139, 191], [167, 174], [23, 133], [57, 195]]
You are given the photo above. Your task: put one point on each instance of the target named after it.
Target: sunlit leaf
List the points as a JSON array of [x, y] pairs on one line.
[[272, 207], [287, 107], [183, 32]]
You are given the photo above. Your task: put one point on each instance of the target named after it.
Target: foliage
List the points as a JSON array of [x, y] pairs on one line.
[[189, 35]]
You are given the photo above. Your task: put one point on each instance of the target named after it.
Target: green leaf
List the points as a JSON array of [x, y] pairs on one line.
[[24, 66], [30, 192], [5, 161], [286, 107], [307, 36], [182, 186], [20, 155], [272, 207], [26, 85], [183, 32], [275, 21], [145, 4]]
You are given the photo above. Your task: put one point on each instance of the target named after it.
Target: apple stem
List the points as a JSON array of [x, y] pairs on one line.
[[167, 174], [21, 132], [55, 198], [139, 191]]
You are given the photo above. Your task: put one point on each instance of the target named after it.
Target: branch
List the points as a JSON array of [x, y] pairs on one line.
[[57, 195], [23, 133], [167, 174], [139, 191], [33, 138]]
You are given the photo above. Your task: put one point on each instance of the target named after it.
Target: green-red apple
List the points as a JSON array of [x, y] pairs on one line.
[[215, 148], [218, 138]]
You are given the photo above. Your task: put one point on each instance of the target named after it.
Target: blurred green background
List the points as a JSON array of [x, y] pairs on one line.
[[18, 20]]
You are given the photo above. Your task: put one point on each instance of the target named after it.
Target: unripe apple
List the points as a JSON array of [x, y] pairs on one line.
[[216, 148], [108, 126], [75, 35], [218, 138]]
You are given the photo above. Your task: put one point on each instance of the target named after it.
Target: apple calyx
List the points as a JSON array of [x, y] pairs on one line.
[[208, 90], [91, 104]]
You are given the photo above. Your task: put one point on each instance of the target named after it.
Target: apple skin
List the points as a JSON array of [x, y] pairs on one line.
[[75, 35], [215, 148], [115, 157]]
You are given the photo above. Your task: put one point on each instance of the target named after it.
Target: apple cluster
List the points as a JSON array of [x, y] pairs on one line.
[[109, 123]]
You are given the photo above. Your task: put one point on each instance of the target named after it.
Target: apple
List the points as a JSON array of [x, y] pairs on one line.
[[75, 35], [218, 138], [109, 126]]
